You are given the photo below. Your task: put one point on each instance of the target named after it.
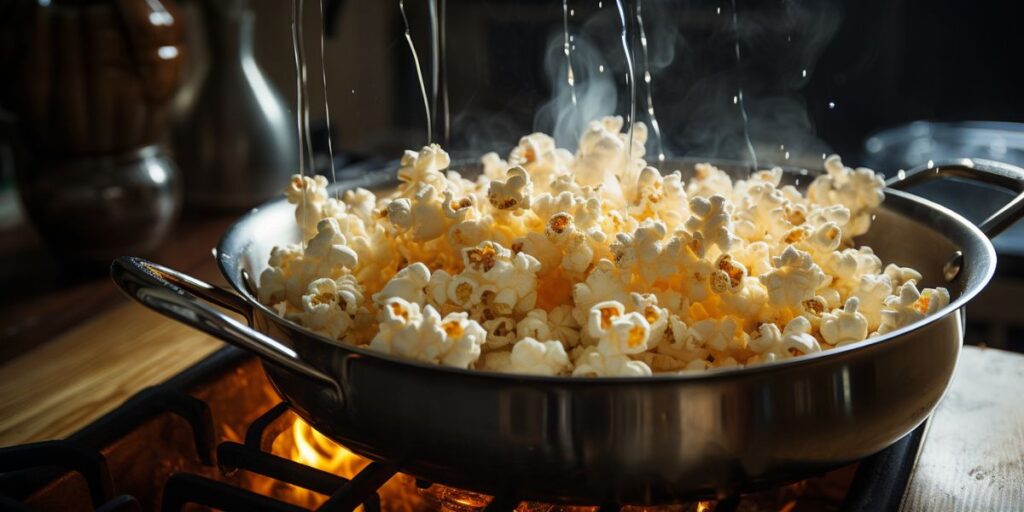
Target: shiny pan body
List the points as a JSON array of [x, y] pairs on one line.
[[602, 440]]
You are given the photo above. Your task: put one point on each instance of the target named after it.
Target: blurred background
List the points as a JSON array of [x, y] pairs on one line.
[[145, 127]]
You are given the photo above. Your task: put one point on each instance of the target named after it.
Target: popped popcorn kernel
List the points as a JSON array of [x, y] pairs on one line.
[[592, 263]]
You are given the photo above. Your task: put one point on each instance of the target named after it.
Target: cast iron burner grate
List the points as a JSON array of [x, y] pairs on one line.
[[28, 470]]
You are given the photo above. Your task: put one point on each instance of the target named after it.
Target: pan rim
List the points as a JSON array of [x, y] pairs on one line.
[[972, 290]]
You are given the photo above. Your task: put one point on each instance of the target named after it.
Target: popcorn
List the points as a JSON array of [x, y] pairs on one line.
[[618, 332], [591, 264], [593, 363], [719, 334], [308, 194], [871, 292], [406, 332], [845, 326], [423, 168], [794, 279], [910, 306], [709, 181], [534, 325], [409, 284], [532, 357], [859, 190], [329, 305], [898, 275], [513, 193], [660, 197], [712, 218], [601, 284], [761, 213], [501, 331], [794, 340]]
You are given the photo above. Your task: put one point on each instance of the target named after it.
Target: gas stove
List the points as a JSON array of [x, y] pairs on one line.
[[218, 437]]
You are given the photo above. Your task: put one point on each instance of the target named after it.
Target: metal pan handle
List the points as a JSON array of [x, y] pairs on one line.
[[182, 297], [975, 169]]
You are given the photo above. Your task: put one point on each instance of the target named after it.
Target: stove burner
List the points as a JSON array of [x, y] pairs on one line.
[[89, 469]]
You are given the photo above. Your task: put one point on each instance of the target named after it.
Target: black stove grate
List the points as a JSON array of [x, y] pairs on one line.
[[877, 486]]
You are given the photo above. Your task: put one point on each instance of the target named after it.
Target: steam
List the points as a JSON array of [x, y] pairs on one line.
[[695, 77], [595, 90], [599, 68]]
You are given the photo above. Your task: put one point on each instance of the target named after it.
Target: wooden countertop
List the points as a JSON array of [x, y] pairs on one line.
[[73, 347]]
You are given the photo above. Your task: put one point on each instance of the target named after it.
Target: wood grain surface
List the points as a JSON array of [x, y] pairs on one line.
[[972, 456], [60, 387], [41, 298]]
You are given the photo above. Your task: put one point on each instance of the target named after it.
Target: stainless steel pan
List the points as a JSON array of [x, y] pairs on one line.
[[624, 440]]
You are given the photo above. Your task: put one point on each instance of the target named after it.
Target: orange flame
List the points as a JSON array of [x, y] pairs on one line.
[[303, 444]]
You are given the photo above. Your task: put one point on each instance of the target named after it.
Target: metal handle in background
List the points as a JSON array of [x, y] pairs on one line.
[[177, 296], [975, 169]]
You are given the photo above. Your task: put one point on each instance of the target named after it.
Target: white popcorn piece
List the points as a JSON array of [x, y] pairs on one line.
[[768, 338], [308, 194], [501, 331], [795, 340], [911, 305], [423, 216], [467, 233], [602, 152], [513, 193], [361, 203], [657, 317], [618, 332], [871, 292], [845, 326], [761, 213], [794, 279], [512, 277], [756, 257], [406, 332], [859, 190], [578, 255], [563, 325], [534, 325], [436, 289], [594, 363], [409, 284], [641, 249], [463, 338], [660, 197], [708, 181], [329, 305], [898, 275], [423, 168], [720, 334], [532, 357], [712, 217], [601, 285]]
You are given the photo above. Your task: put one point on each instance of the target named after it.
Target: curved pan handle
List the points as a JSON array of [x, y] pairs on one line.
[[975, 169], [178, 296]]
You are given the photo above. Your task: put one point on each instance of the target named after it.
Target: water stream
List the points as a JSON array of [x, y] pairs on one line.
[[739, 86], [648, 86], [570, 77], [327, 103], [627, 49], [419, 70]]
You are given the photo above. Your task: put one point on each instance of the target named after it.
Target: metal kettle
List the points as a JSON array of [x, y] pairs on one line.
[[232, 136]]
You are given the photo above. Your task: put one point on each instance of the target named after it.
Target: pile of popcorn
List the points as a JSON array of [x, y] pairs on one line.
[[591, 264]]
